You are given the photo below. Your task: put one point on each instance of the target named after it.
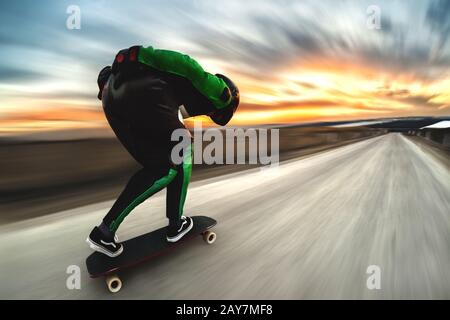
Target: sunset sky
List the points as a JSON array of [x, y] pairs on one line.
[[294, 61]]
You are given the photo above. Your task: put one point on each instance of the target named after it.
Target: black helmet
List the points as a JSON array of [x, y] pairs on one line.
[[223, 116], [103, 77]]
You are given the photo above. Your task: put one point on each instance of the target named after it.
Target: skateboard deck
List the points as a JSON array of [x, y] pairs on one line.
[[143, 248]]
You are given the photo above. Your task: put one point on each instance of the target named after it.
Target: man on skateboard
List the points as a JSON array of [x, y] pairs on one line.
[[141, 96]]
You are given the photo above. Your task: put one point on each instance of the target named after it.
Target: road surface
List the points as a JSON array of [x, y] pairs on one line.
[[307, 229]]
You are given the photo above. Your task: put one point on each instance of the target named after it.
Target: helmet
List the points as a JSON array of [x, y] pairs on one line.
[[223, 116], [103, 77]]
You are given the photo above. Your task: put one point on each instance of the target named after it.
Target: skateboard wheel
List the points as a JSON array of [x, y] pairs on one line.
[[209, 237], [114, 283]]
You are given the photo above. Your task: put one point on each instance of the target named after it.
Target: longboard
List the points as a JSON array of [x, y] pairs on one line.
[[143, 248]]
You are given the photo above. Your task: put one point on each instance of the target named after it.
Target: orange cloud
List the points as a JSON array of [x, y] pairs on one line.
[[304, 91]]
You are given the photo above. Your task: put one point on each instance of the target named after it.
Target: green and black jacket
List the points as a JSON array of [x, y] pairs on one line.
[[199, 91]]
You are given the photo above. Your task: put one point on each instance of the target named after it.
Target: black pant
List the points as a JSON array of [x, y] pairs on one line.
[[143, 117]]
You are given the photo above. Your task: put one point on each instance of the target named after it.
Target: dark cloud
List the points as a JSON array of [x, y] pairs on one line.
[[406, 96], [285, 39], [306, 85], [438, 17], [396, 93], [286, 36], [10, 74], [386, 24], [387, 91], [292, 37], [421, 101], [397, 58]]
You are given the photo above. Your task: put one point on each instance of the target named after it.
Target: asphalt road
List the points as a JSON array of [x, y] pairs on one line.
[[307, 229]]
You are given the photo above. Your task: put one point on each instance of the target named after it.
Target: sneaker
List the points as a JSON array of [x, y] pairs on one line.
[[99, 242], [175, 234]]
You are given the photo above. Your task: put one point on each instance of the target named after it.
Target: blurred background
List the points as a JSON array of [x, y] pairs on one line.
[[328, 74]]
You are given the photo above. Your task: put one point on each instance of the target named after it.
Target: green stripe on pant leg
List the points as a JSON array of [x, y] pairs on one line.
[[187, 170], [155, 187]]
